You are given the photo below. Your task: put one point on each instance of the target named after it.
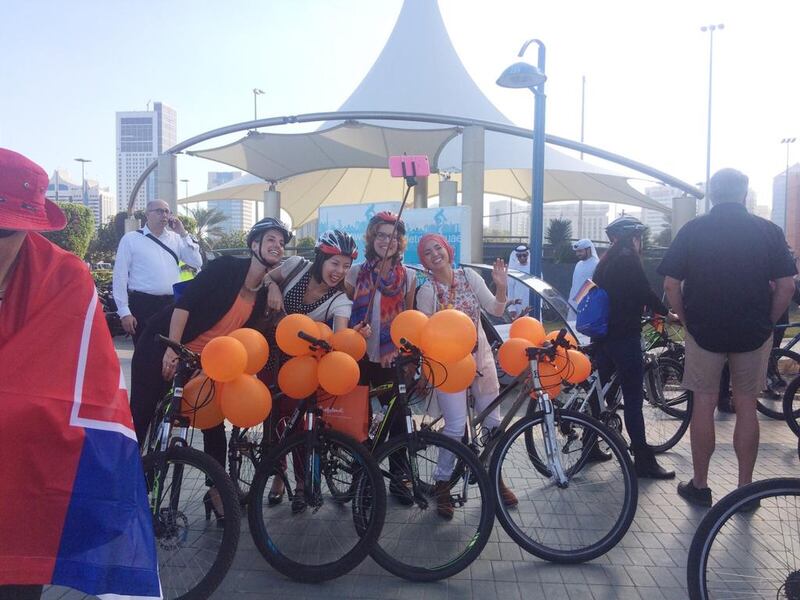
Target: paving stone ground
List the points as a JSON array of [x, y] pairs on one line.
[[649, 563]]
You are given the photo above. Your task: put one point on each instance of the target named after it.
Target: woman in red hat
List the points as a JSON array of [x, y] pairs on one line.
[[462, 289]]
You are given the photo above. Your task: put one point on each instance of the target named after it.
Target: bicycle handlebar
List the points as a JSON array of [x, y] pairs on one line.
[[549, 351], [315, 342], [786, 326], [179, 349]]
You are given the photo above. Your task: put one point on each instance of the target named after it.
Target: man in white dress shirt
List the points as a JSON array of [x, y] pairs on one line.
[[147, 265]]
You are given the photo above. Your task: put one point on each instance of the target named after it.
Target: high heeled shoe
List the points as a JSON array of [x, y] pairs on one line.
[[274, 498], [208, 503]]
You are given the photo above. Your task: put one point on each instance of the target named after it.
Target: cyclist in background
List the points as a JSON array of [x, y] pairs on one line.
[[621, 275]]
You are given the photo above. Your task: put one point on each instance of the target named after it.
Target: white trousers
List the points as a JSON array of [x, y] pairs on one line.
[[454, 411]]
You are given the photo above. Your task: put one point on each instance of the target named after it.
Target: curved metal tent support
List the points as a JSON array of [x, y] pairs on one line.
[[416, 118]]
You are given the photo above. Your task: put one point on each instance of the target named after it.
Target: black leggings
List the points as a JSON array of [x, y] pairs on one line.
[[148, 388]]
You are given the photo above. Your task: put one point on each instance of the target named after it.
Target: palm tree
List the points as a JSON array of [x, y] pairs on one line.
[[208, 226], [559, 234]]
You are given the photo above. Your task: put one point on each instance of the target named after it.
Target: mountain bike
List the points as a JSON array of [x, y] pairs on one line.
[[570, 509], [748, 544], [782, 368], [416, 543], [185, 487], [336, 498]]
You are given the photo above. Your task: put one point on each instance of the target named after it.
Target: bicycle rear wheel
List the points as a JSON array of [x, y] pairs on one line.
[[668, 409], [194, 552], [416, 543], [327, 532], [244, 453], [581, 520], [783, 366], [748, 544]]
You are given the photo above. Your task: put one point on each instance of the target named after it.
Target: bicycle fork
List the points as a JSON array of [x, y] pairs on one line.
[[549, 430]]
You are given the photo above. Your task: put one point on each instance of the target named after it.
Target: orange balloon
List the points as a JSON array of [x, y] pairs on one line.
[[560, 360], [338, 373], [287, 330], [325, 332], [245, 401], [224, 358], [448, 336], [580, 366], [298, 377], [451, 377], [529, 329], [257, 348], [350, 342], [199, 402], [409, 325], [512, 357], [552, 390], [568, 337], [550, 374]]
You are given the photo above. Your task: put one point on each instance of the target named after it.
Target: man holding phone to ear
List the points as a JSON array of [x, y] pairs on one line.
[[147, 265]]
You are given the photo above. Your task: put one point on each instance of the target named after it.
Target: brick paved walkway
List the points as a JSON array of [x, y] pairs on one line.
[[649, 563]]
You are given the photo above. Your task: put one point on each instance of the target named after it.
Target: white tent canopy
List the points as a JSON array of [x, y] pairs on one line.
[[345, 162]]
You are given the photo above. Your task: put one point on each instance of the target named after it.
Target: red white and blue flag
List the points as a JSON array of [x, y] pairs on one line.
[[73, 506]]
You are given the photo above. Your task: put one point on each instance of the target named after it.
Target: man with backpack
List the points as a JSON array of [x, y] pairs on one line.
[[717, 272]]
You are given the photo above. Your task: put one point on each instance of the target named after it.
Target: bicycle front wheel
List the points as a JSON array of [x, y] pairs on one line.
[[748, 544], [580, 519], [416, 543], [195, 547], [791, 406], [324, 532], [667, 408]]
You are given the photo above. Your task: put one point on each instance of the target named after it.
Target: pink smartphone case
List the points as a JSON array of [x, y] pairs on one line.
[[414, 165]]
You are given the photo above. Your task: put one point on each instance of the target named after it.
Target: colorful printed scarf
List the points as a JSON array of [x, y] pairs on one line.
[[393, 290]]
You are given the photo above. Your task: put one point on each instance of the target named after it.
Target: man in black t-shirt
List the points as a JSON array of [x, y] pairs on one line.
[[717, 277]]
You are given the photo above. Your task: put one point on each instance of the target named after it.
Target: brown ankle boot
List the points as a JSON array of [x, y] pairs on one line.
[[506, 495], [444, 503]]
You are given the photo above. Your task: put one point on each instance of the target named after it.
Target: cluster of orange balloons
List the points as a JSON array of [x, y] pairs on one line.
[[228, 387], [336, 371], [568, 364], [446, 339]]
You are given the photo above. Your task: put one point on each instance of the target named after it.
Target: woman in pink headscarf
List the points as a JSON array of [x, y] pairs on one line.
[[462, 289]]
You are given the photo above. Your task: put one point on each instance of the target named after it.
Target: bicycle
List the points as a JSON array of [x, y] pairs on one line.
[[557, 494], [415, 543], [667, 407], [313, 537], [748, 544], [782, 368], [185, 486]]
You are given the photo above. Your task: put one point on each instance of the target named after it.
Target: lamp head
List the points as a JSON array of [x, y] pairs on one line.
[[521, 75]]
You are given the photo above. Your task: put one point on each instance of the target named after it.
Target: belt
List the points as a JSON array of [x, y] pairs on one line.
[[135, 293]]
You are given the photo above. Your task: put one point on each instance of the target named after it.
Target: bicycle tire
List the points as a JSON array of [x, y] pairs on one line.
[[791, 406], [291, 542], [187, 528], [747, 565], [544, 502], [414, 537], [785, 366], [666, 416]]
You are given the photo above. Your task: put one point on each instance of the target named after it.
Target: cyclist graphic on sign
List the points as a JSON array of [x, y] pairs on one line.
[[440, 219]]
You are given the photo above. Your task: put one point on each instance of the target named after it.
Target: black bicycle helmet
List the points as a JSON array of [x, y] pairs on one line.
[[264, 225], [334, 242], [624, 227]]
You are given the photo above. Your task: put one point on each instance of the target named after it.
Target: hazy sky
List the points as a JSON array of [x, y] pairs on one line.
[[68, 66]]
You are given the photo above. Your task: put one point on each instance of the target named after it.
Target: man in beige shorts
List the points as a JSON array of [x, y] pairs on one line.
[[719, 273]]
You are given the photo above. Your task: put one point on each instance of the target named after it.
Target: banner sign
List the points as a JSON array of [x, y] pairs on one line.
[[452, 222]]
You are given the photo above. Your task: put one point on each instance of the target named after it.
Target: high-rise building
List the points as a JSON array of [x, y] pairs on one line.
[[141, 137], [508, 217], [241, 213], [595, 218], [99, 199], [787, 214], [655, 220]]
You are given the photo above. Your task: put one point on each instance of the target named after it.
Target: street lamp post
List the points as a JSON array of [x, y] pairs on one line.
[[524, 75], [83, 162], [256, 93], [788, 142], [185, 183], [711, 29]]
